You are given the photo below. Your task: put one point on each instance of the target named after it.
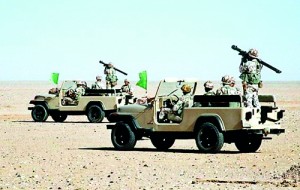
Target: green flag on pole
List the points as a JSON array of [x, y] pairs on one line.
[[143, 80], [54, 78]]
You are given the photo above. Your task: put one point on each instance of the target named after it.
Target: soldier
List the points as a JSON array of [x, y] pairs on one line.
[[126, 87], [98, 83], [80, 90], [228, 86], [111, 77], [250, 70], [234, 90], [208, 87], [175, 113]]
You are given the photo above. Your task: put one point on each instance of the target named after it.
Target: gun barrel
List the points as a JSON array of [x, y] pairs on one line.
[[245, 54], [105, 64]]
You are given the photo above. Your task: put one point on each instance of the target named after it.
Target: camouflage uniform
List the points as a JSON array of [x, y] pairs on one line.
[[250, 70], [228, 87], [98, 84], [175, 113], [111, 77], [126, 88]]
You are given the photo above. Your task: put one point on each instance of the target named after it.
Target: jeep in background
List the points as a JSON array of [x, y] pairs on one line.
[[95, 103], [211, 121]]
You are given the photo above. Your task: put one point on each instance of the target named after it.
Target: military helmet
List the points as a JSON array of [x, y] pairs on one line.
[[80, 83], [253, 53], [98, 77], [126, 80], [209, 84], [186, 88], [110, 65], [226, 79], [232, 80]]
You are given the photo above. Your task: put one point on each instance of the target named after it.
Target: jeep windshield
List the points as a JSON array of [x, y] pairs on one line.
[[167, 88], [69, 85]]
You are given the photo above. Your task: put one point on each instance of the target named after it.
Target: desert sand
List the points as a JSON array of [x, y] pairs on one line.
[[79, 155]]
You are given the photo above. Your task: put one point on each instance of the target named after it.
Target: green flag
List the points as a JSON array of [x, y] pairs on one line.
[[54, 78], [143, 80]]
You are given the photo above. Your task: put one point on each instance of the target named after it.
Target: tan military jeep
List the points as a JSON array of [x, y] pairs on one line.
[[96, 104], [211, 121]]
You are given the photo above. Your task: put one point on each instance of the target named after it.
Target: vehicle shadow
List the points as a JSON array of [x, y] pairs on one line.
[[185, 151], [22, 121]]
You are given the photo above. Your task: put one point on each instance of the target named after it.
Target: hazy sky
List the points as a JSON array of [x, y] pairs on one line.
[[168, 38]]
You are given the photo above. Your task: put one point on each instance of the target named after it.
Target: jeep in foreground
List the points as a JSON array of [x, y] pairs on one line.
[[94, 103], [211, 121]]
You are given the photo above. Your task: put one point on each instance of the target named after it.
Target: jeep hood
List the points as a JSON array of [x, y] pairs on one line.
[[44, 97], [132, 108]]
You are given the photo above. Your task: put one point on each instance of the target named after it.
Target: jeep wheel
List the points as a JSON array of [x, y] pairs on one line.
[[248, 143], [95, 114], [209, 139], [122, 137], [39, 113], [59, 117], [161, 142]]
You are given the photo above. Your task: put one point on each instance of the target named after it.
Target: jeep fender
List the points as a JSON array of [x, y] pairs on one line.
[[98, 103], [212, 118], [45, 104], [129, 119]]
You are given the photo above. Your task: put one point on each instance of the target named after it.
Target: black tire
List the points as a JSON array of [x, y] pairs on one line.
[[95, 114], [39, 113], [59, 117], [248, 143], [161, 142], [209, 139], [122, 137]]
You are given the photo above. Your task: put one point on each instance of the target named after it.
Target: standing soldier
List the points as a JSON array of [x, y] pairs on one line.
[[208, 87], [111, 77], [250, 70]]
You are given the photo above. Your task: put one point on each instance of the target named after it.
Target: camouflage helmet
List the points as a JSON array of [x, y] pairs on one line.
[[226, 79], [253, 53], [80, 83], [126, 80], [98, 77], [232, 80], [209, 84], [186, 88], [110, 65]]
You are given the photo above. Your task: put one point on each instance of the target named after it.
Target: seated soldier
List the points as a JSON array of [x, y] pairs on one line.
[[69, 98], [174, 113]]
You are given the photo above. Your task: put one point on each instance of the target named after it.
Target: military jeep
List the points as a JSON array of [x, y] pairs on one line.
[[95, 103], [211, 121]]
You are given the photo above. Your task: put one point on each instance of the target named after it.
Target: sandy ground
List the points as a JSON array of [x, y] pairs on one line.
[[79, 155]]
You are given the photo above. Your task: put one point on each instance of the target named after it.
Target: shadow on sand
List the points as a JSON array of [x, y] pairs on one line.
[[155, 150]]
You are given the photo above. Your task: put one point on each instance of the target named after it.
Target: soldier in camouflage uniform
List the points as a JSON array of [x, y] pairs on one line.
[[111, 77], [80, 90], [234, 90], [228, 86], [208, 87], [98, 84], [250, 70], [175, 113], [126, 88]]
